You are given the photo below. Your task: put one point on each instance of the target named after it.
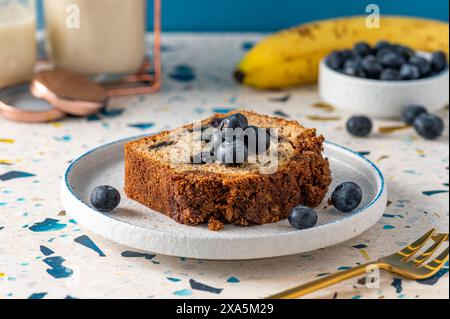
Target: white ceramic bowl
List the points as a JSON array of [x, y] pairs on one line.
[[386, 99]]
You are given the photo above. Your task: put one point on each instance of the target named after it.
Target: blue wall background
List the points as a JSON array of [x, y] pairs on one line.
[[271, 15]]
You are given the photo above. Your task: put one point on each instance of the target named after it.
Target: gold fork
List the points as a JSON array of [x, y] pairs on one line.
[[402, 263]]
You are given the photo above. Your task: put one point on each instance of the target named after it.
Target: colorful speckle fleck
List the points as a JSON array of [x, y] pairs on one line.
[[222, 110], [199, 286], [435, 192], [38, 295], [142, 126], [183, 292], [132, 254], [248, 45], [57, 270], [233, 280], [47, 225], [15, 174], [65, 138], [397, 284], [46, 251], [87, 242], [183, 73]]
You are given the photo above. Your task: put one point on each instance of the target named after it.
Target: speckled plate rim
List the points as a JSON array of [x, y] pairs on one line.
[[235, 248]]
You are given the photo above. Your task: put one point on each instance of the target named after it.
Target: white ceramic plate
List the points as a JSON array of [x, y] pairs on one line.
[[141, 228]]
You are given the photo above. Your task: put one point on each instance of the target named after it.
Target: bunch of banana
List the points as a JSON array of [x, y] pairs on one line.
[[291, 57]]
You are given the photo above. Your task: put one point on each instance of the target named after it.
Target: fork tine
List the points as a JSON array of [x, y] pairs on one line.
[[410, 250], [439, 239], [438, 261]]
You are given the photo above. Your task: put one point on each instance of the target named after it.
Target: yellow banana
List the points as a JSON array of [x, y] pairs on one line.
[[291, 57]]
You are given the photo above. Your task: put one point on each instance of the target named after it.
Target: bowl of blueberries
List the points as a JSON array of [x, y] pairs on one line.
[[383, 79]]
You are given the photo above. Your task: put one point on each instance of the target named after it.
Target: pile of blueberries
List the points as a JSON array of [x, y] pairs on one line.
[[386, 61], [427, 125], [231, 140], [345, 198]]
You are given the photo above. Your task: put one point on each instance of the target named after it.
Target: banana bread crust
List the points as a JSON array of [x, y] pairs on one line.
[[199, 197]]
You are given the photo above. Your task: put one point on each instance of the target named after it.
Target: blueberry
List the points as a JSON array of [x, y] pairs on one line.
[[406, 52], [362, 73], [360, 126], [412, 112], [390, 75], [215, 122], [302, 217], [362, 49], [346, 54], [335, 60], [105, 198], [381, 45], [258, 141], [439, 61], [372, 67], [392, 60], [232, 153], [409, 72], [382, 52], [352, 67], [347, 197], [429, 126], [423, 64], [234, 121]]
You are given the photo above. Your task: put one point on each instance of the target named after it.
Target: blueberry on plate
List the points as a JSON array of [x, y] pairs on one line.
[[360, 126], [257, 139], [390, 75], [429, 126], [105, 198], [232, 153], [302, 217], [409, 72], [392, 60], [412, 112], [347, 197], [335, 60], [423, 64], [362, 49], [372, 67], [439, 61]]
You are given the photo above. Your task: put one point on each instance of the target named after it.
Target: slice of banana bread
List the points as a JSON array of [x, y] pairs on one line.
[[217, 194]]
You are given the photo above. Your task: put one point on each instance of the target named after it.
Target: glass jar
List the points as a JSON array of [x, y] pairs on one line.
[[18, 49], [101, 37]]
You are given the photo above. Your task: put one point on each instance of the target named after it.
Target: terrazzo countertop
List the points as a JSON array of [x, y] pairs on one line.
[[45, 254]]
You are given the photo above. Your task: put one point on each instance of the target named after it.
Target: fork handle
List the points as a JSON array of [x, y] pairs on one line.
[[323, 282]]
